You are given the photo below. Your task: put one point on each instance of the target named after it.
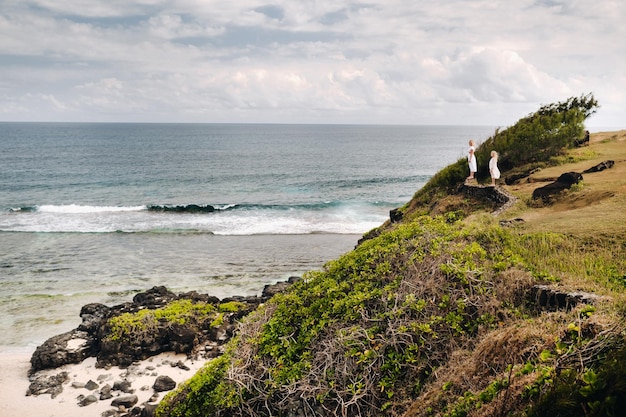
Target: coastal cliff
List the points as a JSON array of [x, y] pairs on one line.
[[470, 301], [448, 309]]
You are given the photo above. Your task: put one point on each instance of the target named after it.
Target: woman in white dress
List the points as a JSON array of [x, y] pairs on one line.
[[493, 168], [471, 160]]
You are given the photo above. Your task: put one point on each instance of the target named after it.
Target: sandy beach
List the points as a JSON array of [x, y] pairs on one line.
[[14, 384]]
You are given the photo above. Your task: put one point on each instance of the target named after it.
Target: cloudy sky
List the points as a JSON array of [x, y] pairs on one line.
[[478, 62]]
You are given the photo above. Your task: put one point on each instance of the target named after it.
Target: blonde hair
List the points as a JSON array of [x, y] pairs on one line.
[[494, 154], [471, 142]]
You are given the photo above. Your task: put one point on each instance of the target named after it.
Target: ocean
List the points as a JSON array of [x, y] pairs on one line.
[[93, 212]]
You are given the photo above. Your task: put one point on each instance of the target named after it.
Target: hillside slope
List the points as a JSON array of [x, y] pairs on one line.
[[554, 361], [449, 310]]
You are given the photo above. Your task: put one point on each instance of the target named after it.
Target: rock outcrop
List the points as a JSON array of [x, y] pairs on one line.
[[197, 340], [564, 182], [600, 167], [550, 298], [501, 198], [90, 337]]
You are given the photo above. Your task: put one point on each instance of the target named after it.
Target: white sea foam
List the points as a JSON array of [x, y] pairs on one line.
[[73, 218], [77, 209]]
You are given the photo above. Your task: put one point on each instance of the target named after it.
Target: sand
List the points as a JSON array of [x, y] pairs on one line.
[[14, 384]]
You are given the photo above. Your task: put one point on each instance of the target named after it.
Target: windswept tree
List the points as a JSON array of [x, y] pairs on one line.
[[541, 135], [536, 138]]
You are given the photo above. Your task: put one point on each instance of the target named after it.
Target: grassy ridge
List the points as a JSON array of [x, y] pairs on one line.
[[432, 316]]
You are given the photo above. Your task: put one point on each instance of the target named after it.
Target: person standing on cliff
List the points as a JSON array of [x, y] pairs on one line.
[[471, 160], [493, 168]]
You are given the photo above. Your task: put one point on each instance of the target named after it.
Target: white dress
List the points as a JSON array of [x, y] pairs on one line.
[[471, 159], [493, 168]]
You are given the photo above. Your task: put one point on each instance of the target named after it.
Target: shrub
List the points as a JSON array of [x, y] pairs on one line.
[[144, 322]]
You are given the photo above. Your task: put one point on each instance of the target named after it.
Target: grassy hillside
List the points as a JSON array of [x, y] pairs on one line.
[[441, 313], [594, 210]]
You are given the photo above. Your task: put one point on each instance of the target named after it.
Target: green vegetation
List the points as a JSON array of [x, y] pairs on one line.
[[373, 327], [534, 141], [143, 324], [433, 316], [540, 136]]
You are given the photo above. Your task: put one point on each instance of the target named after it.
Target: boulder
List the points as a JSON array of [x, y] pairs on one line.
[[600, 167], [52, 385], [149, 410], [70, 347], [85, 401], [564, 182], [124, 386], [182, 338], [164, 383], [105, 393], [126, 401], [154, 298], [92, 316], [396, 215], [91, 385]]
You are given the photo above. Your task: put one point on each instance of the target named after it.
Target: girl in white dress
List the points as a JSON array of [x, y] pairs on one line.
[[471, 160], [493, 168]]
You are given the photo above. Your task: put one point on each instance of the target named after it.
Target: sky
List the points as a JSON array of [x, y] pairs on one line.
[[441, 62]]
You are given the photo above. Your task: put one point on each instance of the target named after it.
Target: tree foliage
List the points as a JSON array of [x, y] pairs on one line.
[[535, 138], [539, 136]]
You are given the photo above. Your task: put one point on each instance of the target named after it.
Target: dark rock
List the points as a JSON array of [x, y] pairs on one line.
[[513, 178], [149, 410], [570, 178], [164, 383], [52, 385], [124, 386], [271, 290], [154, 298], [511, 222], [195, 296], [92, 316], [552, 299], [85, 401], [582, 141], [182, 338], [181, 365], [127, 401], [91, 386], [243, 299], [91, 336], [70, 347], [105, 392], [564, 182], [600, 167], [493, 194], [395, 215]]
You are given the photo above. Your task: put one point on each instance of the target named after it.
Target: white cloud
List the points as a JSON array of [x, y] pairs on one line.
[[445, 62]]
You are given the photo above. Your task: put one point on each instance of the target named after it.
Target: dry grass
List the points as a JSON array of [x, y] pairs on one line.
[[595, 216], [596, 210]]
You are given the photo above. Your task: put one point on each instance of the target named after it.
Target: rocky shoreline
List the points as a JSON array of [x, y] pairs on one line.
[[147, 367]]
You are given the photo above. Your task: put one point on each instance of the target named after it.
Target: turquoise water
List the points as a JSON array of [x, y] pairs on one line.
[[97, 212]]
